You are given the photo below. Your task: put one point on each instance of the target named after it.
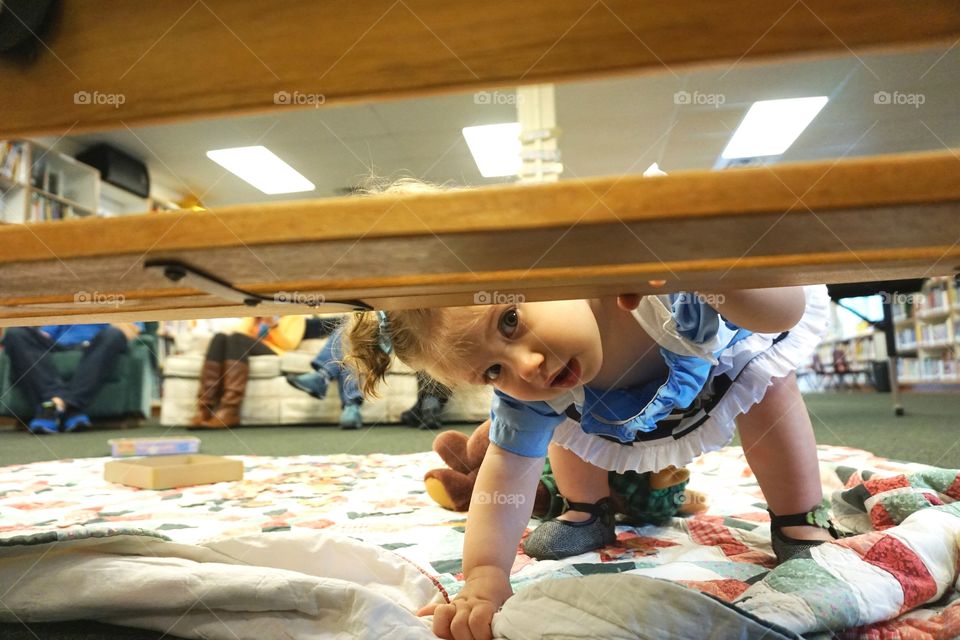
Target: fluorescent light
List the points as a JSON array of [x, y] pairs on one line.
[[262, 168], [495, 148], [771, 126]]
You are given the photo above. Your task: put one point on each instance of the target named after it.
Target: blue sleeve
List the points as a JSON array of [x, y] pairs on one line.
[[54, 330], [141, 326], [696, 320], [523, 428]]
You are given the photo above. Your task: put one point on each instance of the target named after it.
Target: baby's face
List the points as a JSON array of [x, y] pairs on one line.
[[536, 350]]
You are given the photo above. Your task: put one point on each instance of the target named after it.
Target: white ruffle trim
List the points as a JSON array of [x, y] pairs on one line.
[[765, 363]]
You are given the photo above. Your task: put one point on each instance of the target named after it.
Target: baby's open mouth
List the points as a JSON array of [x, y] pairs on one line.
[[568, 376]]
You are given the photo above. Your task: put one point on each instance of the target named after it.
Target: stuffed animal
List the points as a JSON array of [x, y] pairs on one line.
[[641, 497]]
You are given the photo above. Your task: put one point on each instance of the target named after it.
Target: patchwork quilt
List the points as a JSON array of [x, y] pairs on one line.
[[896, 579]]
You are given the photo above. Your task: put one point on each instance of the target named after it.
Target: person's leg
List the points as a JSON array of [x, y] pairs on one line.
[[441, 392], [411, 416], [431, 398], [32, 370], [325, 368], [331, 364], [330, 361], [330, 358], [585, 486], [96, 364], [211, 380], [236, 371], [577, 480], [779, 445]]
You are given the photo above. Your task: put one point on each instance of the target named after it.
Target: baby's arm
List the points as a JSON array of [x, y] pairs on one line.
[[760, 310], [499, 512]]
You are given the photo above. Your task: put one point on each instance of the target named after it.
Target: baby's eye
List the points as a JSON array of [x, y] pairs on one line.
[[492, 373], [509, 322]]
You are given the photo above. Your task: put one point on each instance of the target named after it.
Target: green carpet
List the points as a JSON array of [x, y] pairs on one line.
[[928, 433]]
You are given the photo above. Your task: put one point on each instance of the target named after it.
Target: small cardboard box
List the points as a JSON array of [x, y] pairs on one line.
[[166, 472], [159, 446]]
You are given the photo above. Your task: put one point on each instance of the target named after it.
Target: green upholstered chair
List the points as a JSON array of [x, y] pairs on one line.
[[128, 392]]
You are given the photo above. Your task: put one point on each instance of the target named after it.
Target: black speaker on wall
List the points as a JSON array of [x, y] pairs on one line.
[[118, 168], [21, 22]]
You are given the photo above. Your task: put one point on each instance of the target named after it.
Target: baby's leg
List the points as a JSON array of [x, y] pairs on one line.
[[574, 532], [577, 480], [778, 441]]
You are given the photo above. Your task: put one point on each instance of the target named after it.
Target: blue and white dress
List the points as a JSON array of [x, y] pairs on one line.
[[717, 371]]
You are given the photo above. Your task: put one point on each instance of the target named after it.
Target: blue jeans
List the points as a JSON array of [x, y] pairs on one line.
[[330, 361]]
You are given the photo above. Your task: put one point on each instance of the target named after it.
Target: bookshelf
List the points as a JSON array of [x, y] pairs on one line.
[[927, 337], [115, 201], [40, 185], [862, 350]]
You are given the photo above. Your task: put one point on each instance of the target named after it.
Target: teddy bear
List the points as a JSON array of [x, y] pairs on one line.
[[639, 498]]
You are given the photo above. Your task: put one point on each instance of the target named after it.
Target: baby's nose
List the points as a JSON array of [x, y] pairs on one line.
[[530, 365]]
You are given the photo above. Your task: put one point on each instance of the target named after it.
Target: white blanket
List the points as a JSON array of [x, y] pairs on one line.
[[281, 585]]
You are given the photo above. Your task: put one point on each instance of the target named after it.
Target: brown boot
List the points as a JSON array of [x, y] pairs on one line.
[[235, 374], [211, 382]]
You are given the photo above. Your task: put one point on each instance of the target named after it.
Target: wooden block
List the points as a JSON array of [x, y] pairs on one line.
[[166, 472]]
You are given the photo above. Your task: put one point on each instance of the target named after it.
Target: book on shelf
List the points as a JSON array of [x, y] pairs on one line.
[[53, 183], [11, 155], [43, 209], [38, 172]]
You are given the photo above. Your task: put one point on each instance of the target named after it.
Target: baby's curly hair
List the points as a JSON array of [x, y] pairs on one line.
[[429, 340]]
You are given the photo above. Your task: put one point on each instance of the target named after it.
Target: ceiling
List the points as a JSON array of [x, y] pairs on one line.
[[612, 126]]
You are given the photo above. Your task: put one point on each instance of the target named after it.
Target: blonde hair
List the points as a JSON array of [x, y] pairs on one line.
[[428, 340]]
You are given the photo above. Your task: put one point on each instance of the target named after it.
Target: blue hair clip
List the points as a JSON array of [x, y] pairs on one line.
[[386, 344]]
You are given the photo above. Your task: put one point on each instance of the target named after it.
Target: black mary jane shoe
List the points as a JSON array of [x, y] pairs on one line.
[[785, 547], [555, 539]]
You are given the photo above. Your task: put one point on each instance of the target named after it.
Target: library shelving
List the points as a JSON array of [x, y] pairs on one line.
[[115, 201], [40, 185], [852, 355], [928, 343]]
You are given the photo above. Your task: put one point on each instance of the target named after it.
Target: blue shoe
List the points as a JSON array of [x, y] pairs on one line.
[[76, 420], [350, 418], [46, 419], [313, 383]]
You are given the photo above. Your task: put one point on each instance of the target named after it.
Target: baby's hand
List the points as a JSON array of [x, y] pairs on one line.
[[469, 616]]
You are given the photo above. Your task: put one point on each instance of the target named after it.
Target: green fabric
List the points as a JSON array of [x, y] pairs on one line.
[[644, 505], [938, 480], [806, 579]]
